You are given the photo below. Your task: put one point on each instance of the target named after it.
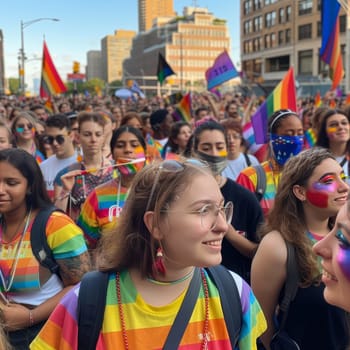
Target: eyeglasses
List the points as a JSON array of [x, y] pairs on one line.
[[234, 137], [173, 166], [20, 127], [209, 214], [50, 139]]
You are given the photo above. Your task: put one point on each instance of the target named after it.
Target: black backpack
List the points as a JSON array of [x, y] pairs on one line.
[[261, 182], [92, 302], [38, 240]]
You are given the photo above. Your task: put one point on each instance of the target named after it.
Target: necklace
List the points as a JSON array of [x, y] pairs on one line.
[[167, 283], [205, 337], [7, 282]]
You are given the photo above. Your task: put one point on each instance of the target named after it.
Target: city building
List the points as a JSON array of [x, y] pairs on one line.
[[114, 49], [151, 9], [189, 43], [2, 64], [94, 64], [277, 34]]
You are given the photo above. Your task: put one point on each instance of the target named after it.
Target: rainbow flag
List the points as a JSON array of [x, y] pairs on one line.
[[330, 49], [257, 150], [282, 97], [183, 110], [318, 101], [332, 104], [310, 138], [49, 105], [51, 82]]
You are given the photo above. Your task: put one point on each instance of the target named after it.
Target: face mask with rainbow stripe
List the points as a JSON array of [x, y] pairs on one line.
[[130, 166]]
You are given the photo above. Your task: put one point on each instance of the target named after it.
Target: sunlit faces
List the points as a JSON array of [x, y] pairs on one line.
[[185, 241], [61, 149], [183, 136], [326, 187], [335, 252], [234, 141], [24, 129], [290, 126], [212, 142], [5, 141], [13, 188], [91, 137], [337, 127]]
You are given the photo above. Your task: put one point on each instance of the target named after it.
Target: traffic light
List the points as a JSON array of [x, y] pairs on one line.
[[76, 67]]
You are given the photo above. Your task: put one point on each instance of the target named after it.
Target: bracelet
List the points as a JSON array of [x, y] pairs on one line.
[[31, 318]]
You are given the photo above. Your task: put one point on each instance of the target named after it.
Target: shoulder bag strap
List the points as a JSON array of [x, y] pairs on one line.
[[261, 181], [91, 308], [230, 301], [291, 285], [184, 314]]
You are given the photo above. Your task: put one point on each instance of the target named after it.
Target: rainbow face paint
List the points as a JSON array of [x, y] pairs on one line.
[[318, 194], [131, 169], [331, 130], [343, 256]]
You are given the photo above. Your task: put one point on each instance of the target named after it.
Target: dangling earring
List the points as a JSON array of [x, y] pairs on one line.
[[158, 264]]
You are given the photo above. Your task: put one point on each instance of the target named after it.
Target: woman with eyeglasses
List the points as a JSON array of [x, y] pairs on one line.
[[311, 191], [334, 135], [169, 231], [286, 140], [240, 242], [23, 130], [237, 158], [101, 211], [28, 290], [75, 182]]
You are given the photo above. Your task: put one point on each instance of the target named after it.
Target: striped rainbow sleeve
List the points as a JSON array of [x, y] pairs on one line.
[[64, 237]]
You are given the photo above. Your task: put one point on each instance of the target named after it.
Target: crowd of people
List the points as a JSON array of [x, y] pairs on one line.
[[123, 191]]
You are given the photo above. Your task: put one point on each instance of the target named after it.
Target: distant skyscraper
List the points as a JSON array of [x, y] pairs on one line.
[[114, 49], [94, 65], [151, 9], [2, 72]]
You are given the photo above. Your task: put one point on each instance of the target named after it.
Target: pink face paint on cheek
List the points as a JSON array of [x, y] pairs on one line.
[[317, 198], [343, 259]]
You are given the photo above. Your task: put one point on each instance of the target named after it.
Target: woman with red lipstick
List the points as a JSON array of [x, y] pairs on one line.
[[334, 249], [310, 193], [334, 135]]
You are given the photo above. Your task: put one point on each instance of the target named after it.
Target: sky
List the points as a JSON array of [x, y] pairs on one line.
[[81, 27]]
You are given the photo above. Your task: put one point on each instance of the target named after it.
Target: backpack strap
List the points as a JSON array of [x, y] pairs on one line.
[[261, 182], [230, 301], [91, 308], [291, 284], [247, 159], [38, 240]]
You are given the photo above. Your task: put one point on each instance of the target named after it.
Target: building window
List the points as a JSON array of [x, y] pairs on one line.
[[257, 24], [247, 7], [305, 62], [273, 39], [281, 15], [277, 64], [267, 41], [270, 19], [280, 37], [342, 24], [305, 31], [288, 36], [319, 29], [288, 13], [257, 4], [305, 7]]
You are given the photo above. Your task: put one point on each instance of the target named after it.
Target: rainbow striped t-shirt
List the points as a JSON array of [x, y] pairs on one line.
[[101, 210], [64, 238], [248, 178], [147, 326]]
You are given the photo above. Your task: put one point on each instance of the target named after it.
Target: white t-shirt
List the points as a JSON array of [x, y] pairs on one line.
[[51, 166], [235, 166]]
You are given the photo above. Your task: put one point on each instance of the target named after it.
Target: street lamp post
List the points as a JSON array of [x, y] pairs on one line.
[[22, 56]]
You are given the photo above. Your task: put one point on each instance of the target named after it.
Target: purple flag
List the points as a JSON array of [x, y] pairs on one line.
[[221, 71]]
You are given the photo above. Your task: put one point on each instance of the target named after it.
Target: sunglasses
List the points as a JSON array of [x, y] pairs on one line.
[[21, 127], [173, 166], [48, 139]]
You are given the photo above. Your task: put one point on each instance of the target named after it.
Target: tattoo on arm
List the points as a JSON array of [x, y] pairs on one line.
[[73, 269]]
